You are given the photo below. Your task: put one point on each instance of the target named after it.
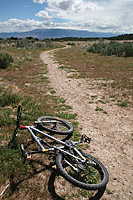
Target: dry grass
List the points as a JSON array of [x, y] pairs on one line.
[[115, 72], [96, 66]]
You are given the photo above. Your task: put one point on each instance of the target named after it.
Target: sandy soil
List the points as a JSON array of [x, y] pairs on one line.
[[111, 133]]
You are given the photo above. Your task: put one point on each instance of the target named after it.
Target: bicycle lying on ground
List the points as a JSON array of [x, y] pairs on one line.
[[73, 164]]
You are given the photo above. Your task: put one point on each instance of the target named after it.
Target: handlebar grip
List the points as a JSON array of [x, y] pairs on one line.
[[18, 114], [19, 107]]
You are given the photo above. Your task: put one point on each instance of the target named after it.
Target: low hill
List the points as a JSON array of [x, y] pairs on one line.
[[123, 37]]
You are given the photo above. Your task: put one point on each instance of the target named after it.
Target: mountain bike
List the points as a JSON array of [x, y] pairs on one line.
[[77, 167]]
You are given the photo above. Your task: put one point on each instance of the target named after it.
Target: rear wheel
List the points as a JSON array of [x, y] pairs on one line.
[[55, 125], [89, 175]]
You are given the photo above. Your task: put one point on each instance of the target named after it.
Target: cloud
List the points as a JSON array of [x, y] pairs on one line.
[[63, 5], [92, 15], [44, 15], [20, 25], [74, 5], [39, 1], [102, 15]]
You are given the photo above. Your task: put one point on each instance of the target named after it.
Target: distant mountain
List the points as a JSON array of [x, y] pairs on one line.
[[56, 33]]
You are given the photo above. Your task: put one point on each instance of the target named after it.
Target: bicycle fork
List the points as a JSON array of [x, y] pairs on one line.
[[80, 161]]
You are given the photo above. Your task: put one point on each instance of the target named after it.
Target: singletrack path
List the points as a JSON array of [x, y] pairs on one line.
[[111, 131]]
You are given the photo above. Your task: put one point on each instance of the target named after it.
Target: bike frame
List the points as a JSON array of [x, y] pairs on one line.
[[39, 141]]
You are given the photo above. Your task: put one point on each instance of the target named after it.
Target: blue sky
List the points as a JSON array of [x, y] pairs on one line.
[[93, 15], [20, 9]]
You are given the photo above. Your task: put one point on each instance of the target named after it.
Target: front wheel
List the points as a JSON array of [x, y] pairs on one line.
[[89, 175]]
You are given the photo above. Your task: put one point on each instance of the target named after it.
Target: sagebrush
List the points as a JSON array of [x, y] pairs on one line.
[[112, 48]]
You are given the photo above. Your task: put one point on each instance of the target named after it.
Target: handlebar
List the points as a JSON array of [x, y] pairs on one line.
[[17, 124]]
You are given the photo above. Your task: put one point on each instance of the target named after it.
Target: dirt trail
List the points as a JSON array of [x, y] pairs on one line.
[[111, 133]]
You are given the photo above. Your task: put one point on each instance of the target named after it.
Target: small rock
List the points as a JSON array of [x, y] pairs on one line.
[[27, 84]]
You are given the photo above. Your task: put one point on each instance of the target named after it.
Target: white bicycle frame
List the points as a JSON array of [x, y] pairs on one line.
[[39, 141]]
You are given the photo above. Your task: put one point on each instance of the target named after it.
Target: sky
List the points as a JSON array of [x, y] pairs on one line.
[[115, 16]]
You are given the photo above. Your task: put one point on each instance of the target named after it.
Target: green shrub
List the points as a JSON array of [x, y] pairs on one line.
[[5, 117], [72, 44], [112, 48], [31, 44], [39, 45], [7, 98], [5, 60], [24, 44], [123, 104]]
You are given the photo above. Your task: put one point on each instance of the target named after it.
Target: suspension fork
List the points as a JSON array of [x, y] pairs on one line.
[[77, 161]]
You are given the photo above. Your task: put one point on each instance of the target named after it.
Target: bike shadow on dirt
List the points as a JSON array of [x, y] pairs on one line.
[[52, 190], [54, 173]]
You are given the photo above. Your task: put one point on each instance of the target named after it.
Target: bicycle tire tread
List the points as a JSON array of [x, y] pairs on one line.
[[79, 184]]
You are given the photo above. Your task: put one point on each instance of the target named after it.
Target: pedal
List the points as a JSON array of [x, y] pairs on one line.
[[25, 155], [85, 138]]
